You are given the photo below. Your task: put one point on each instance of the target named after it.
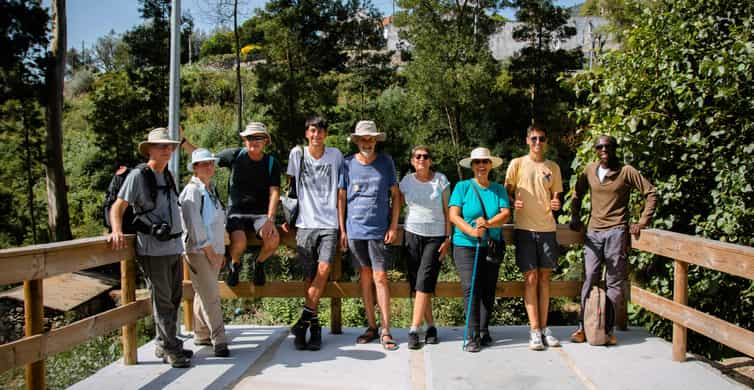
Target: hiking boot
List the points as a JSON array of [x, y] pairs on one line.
[[612, 339], [535, 341], [299, 332], [221, 350], [259, 277], [413, 340], [578, 336], [233, 270], [473, 345], [485, 339], [160, 353], [549, 340], [430, 337], [177, 361], [315, 338]]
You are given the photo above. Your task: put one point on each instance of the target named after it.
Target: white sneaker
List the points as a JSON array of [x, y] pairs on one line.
[[535, 340], [550, 340]]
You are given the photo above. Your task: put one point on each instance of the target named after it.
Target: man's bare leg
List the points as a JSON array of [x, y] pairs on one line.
[[530, 298]]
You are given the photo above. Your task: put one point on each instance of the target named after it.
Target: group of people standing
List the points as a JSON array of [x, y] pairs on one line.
[[354, 203]]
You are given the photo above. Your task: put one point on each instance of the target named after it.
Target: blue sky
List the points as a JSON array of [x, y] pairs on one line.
[[91, 19]]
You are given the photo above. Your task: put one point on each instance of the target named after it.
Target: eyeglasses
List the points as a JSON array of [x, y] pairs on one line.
[[164, 146], [481, 162], [204, 163], [603, 146], [422, 156], [540, 138], [256, 138]]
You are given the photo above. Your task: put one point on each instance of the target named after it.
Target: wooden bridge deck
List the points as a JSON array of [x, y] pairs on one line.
[[264, 358]]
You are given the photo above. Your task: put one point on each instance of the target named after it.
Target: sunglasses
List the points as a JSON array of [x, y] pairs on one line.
[[603, 146], [540, 138], [204, 163], [481, 162], [422, 156], [256, 138]]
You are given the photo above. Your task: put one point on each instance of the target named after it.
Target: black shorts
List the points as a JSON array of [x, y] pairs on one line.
[[423, 261], [536, 250]]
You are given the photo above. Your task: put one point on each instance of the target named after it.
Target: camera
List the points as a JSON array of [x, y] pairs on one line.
[[161, 231]]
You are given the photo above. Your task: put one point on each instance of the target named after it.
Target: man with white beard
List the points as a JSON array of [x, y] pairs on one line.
[[369, 195]]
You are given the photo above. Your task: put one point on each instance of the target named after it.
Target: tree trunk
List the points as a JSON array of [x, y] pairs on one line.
[[57, 197], [238, 66]]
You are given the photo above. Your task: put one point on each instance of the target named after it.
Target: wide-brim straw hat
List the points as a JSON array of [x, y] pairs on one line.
[[199, 155], [157, 136], [481, 154], [368, 129], [255, 128]]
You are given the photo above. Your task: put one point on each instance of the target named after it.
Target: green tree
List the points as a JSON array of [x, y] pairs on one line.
[[678, 99]]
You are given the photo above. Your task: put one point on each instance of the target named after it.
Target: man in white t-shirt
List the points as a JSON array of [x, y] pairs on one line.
[[315, 176]]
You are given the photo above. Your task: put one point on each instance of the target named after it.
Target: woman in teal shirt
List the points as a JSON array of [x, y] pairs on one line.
[[471, 229]]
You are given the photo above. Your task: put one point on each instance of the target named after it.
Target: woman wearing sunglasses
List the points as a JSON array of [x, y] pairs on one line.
[[478, 208], [427, 237]]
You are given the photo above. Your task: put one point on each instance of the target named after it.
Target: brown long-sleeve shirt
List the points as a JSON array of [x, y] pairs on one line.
[[610, 198]]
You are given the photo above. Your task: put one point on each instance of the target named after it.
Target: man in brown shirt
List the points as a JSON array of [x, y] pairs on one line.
[[606, 239]]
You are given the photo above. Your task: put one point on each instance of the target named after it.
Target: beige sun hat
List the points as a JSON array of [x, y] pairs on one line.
[[255, 128], [366, 128], [159, 135], [481, 154]]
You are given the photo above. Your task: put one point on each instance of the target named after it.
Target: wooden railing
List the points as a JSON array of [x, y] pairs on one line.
[[733, 259], [34, 263]]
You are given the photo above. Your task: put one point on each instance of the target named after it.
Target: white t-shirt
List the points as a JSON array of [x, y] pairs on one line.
[[318, 187], [424, 214], [602, 172]]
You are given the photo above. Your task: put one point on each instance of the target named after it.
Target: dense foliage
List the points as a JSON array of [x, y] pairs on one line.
[[678, 99]]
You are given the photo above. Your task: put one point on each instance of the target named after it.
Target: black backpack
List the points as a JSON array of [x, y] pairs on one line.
[[129, 216]]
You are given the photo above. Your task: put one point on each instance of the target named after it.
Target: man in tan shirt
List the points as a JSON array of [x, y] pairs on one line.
[[535, 182], [606, 239]]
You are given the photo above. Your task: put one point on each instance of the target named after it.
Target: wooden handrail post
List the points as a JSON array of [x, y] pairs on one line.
[[621, 309], [336, 317], [128, 295], [680, 295], [188, 302], [34, 324]]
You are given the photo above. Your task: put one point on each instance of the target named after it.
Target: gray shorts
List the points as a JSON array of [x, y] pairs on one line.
[[245, 222], [368, 253], [315, 246], [536, 250]]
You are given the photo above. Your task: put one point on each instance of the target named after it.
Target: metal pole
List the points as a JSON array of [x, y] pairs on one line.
[[174, 102]]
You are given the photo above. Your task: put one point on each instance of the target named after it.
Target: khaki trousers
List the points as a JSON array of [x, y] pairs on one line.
[[208, 316]]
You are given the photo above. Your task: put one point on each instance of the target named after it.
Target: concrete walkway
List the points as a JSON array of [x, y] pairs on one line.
[[264, 358]]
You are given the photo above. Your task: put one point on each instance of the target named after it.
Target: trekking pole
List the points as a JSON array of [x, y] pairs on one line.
[[471, 295]]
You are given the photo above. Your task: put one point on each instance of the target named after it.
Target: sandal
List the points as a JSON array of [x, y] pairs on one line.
[[368, 336], [387, 341]]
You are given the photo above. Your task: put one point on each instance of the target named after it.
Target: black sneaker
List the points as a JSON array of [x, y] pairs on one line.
[[232, 278], [259, 277], [177, 361], [160, 353], [315, 339], [413, 340], [221, 350], [473, 345], [299, 332], [485, 339], [431, 336]]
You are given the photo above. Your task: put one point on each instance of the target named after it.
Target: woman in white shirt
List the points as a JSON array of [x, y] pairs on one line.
[[203, 219], [427, 237]]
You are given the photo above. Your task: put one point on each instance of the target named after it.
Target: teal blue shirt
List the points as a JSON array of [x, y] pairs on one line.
[[494, 197]]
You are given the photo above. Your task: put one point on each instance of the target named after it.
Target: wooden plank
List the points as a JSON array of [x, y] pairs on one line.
[[65, 292], [719, 330], [681, 297], [34, 325], [734, 259], [295, 289], [188, 300], [29, 349], [129, 337], [46, 260]]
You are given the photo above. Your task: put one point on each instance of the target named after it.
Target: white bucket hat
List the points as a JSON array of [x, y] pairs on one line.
[[366, 128], [481, 154], [255, 128], [156, 136], [199, 155]]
